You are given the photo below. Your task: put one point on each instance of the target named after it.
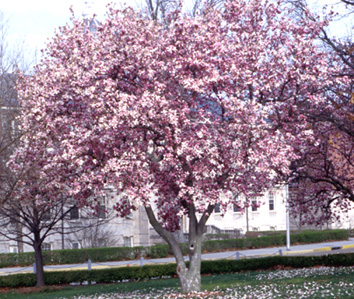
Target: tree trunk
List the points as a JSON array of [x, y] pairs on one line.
[[39, 261], [19, 237], [189, 278]]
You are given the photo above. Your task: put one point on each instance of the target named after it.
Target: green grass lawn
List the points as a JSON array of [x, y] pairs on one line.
[[322, 282]]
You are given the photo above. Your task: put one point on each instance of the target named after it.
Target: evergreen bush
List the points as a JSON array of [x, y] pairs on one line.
[[78, 256], [169, 270]]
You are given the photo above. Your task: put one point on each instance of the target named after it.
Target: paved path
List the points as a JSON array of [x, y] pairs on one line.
[[308, 249]]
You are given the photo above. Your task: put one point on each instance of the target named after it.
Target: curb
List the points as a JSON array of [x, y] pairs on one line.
[[299, 251], [348, 246], [328, 248]]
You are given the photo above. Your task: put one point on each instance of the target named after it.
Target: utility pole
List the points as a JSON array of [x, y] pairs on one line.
[[62, 224], [247, 225], [287, 218]]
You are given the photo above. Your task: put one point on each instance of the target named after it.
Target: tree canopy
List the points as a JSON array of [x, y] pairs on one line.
[[178, 118], [323, 174]]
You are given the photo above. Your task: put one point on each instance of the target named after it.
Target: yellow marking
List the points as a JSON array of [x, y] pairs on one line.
[[300, 251], [348, 246], [323, 249]]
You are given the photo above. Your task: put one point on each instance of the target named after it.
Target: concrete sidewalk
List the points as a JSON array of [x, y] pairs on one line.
[[249, 253]]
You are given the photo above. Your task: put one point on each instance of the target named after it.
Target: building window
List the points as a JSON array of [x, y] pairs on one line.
[[237, 208], [46, 215], [129, 216], [74, 213], [127, 241], [254, 206], [101, 211], [271, 201], [75, 245], [271, 204], [101, 208], [217, 208], [13, 249], [102, 243], [46, 247]]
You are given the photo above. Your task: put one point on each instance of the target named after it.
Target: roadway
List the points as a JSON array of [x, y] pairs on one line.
[[306, 249]]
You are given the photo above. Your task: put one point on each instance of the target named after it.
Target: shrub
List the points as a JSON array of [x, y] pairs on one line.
[[322, 236], [274, 240], [16, 259], [18, 280], [217, 236], [158, 251], [222, 245], [78, 256], [159, 271]]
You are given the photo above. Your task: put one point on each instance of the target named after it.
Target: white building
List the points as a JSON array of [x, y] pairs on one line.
[[106, 230], [266, 214]]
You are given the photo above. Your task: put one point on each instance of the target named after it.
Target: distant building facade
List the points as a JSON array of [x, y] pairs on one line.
[[104, 229], [266, 213]]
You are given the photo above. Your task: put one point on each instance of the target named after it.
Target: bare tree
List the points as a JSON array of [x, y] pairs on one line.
[[30, 224], [12, 59], [30, 211], [199, 5], [93, 233], [8, 110], [159, 9]]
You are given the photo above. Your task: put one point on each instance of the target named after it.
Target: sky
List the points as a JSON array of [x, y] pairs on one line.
[[34, 21]]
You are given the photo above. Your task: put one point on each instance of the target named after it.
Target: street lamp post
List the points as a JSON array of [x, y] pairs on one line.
[[287, 218]]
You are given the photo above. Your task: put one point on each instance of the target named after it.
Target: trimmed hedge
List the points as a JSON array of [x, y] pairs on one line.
[[72, 256], [78, 256], [168, 270], [305, 237]]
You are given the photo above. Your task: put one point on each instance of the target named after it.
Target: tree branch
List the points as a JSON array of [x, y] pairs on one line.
[[166, 235]]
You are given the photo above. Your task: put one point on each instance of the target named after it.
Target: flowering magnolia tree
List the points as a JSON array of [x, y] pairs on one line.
[[323, 177], [323, 174], [178, 118]]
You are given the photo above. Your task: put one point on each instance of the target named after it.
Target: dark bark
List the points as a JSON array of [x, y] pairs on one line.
[[37, 246], [348, 2]]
